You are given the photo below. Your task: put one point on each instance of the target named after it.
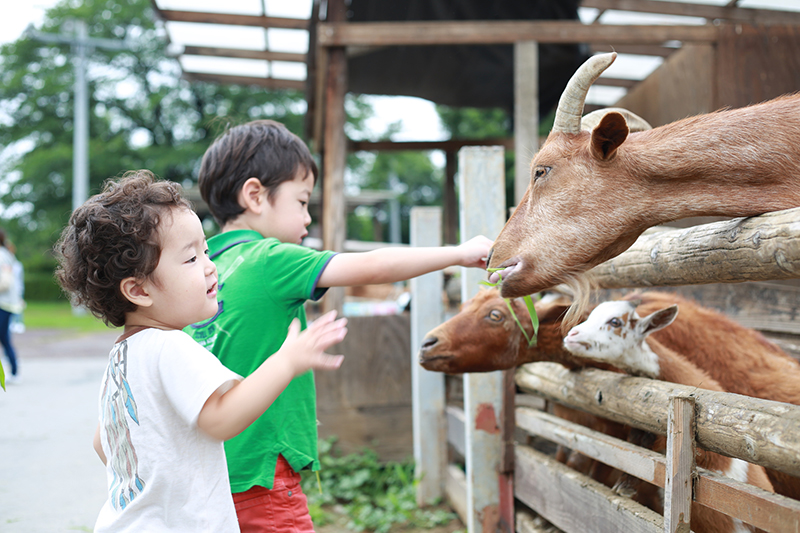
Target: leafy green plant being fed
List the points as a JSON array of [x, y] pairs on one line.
[[375, 495]]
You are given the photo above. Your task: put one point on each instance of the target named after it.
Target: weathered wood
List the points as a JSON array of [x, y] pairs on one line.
[[526, 113], [768, 511], [682, 86], [504, 32], [455, 489], [234, 20], [680, 464], [448, 145], [733, 14], [730, 424], [427, 388], [226, 79], [482, 211], [574, 502], [766, 247], [241, 53], [455, 429], [334, 219]]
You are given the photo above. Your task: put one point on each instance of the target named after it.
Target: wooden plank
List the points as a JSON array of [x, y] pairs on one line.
[[427, 388], [456, 491], [757, 63], [456, 424], [730, 424], [768, 511], [266, 55], [261, 21], [732, 14], [504, 32], [616, 82], [762, 248], [526, 113], [225, 79], [481, 211], [334, 156], [449, 198], [643, 50], [451, 145], [572, 501], [680, 464], [682, 86]]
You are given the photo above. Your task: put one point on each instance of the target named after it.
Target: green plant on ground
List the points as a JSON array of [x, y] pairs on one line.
[[375, 495]]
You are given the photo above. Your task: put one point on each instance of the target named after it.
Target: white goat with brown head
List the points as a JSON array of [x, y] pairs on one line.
[[592, 193]]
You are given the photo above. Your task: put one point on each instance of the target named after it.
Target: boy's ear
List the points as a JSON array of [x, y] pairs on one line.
[[252, 196], [135, 292]]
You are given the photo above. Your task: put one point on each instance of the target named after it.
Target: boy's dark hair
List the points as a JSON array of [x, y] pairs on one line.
[[113, 236], [262, 149]]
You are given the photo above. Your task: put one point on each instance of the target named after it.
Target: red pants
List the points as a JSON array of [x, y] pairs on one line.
[[284, 509]]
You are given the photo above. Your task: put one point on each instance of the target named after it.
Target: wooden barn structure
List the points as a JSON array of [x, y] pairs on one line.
[[727, 55]]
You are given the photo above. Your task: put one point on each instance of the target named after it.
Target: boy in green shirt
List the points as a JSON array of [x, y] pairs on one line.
[[257, 180]]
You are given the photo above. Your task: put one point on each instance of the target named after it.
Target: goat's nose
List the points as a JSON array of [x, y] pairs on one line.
[[429, 343]]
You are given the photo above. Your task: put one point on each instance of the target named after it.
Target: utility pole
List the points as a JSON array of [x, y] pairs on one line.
[[81, 45]]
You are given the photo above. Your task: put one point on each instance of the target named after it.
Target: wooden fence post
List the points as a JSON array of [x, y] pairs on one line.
[[427, 388], [481, 178], [680, 465], [526, 113]]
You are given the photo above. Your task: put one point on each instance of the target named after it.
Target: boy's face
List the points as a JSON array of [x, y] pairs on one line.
[[286, 217], [183, 286]]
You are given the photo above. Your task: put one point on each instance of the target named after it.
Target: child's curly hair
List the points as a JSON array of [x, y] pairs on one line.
[[113, 236]]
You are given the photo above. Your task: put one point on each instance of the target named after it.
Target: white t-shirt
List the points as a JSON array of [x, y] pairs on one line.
[[164, 473]]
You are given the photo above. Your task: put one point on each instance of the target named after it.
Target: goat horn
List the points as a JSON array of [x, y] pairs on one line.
[[570, 105]]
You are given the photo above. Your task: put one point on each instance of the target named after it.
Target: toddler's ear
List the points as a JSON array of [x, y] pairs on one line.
[[135, 292], [251, 197]]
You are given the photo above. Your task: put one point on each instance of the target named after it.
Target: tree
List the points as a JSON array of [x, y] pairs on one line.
[[142, 115]]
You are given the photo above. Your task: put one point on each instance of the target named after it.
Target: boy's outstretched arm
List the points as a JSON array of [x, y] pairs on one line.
[[225, 415], [388, 265]]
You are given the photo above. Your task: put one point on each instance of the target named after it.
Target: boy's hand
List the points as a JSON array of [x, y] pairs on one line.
[[475, 251], [305, 350]]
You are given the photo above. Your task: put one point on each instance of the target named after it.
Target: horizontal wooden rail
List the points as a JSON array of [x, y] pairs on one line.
[[768, 511], [730, 424], [504, 32], [762, 248]]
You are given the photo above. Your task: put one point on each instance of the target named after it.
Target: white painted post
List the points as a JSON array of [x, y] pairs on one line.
[[481, 211], [427, 388], [526, 113]]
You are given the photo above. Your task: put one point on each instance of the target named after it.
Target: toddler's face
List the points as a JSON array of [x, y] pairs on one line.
[[184, 284], [287, 217]]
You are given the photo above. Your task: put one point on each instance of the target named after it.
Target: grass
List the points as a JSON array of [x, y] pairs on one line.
[[59, 315]]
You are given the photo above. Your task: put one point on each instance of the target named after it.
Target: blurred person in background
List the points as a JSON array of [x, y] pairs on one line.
[[10, 304]]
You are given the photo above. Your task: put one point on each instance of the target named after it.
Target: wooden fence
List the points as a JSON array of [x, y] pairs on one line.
[[499, 474]]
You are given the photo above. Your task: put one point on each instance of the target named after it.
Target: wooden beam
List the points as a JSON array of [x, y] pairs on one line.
[[730, 424], [505, 32], [616, 82], [451, 145], [633, 49], [680, 464], [761, 248], [233, 20], [712, 12], [266, 55], [223, 79]]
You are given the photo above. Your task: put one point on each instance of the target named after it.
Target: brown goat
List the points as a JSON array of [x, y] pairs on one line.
[[592, 193], [484, 337]]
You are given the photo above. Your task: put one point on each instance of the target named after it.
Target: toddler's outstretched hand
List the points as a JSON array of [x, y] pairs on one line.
[[306, 349], [475, 251]]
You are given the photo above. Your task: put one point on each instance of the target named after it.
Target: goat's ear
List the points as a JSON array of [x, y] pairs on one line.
[[658, 320], [609, 135]]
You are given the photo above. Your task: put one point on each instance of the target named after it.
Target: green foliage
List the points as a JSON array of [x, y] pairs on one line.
[[59, 315], [375, 496]]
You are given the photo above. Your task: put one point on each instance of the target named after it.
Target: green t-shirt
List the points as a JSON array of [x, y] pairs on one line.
[[262, 286]]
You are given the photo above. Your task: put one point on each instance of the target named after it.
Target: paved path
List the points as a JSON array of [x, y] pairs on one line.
[[51, 480]]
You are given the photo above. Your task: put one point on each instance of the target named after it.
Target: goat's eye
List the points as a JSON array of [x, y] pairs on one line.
[[540, 172], [615, 322], [496, 316]]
